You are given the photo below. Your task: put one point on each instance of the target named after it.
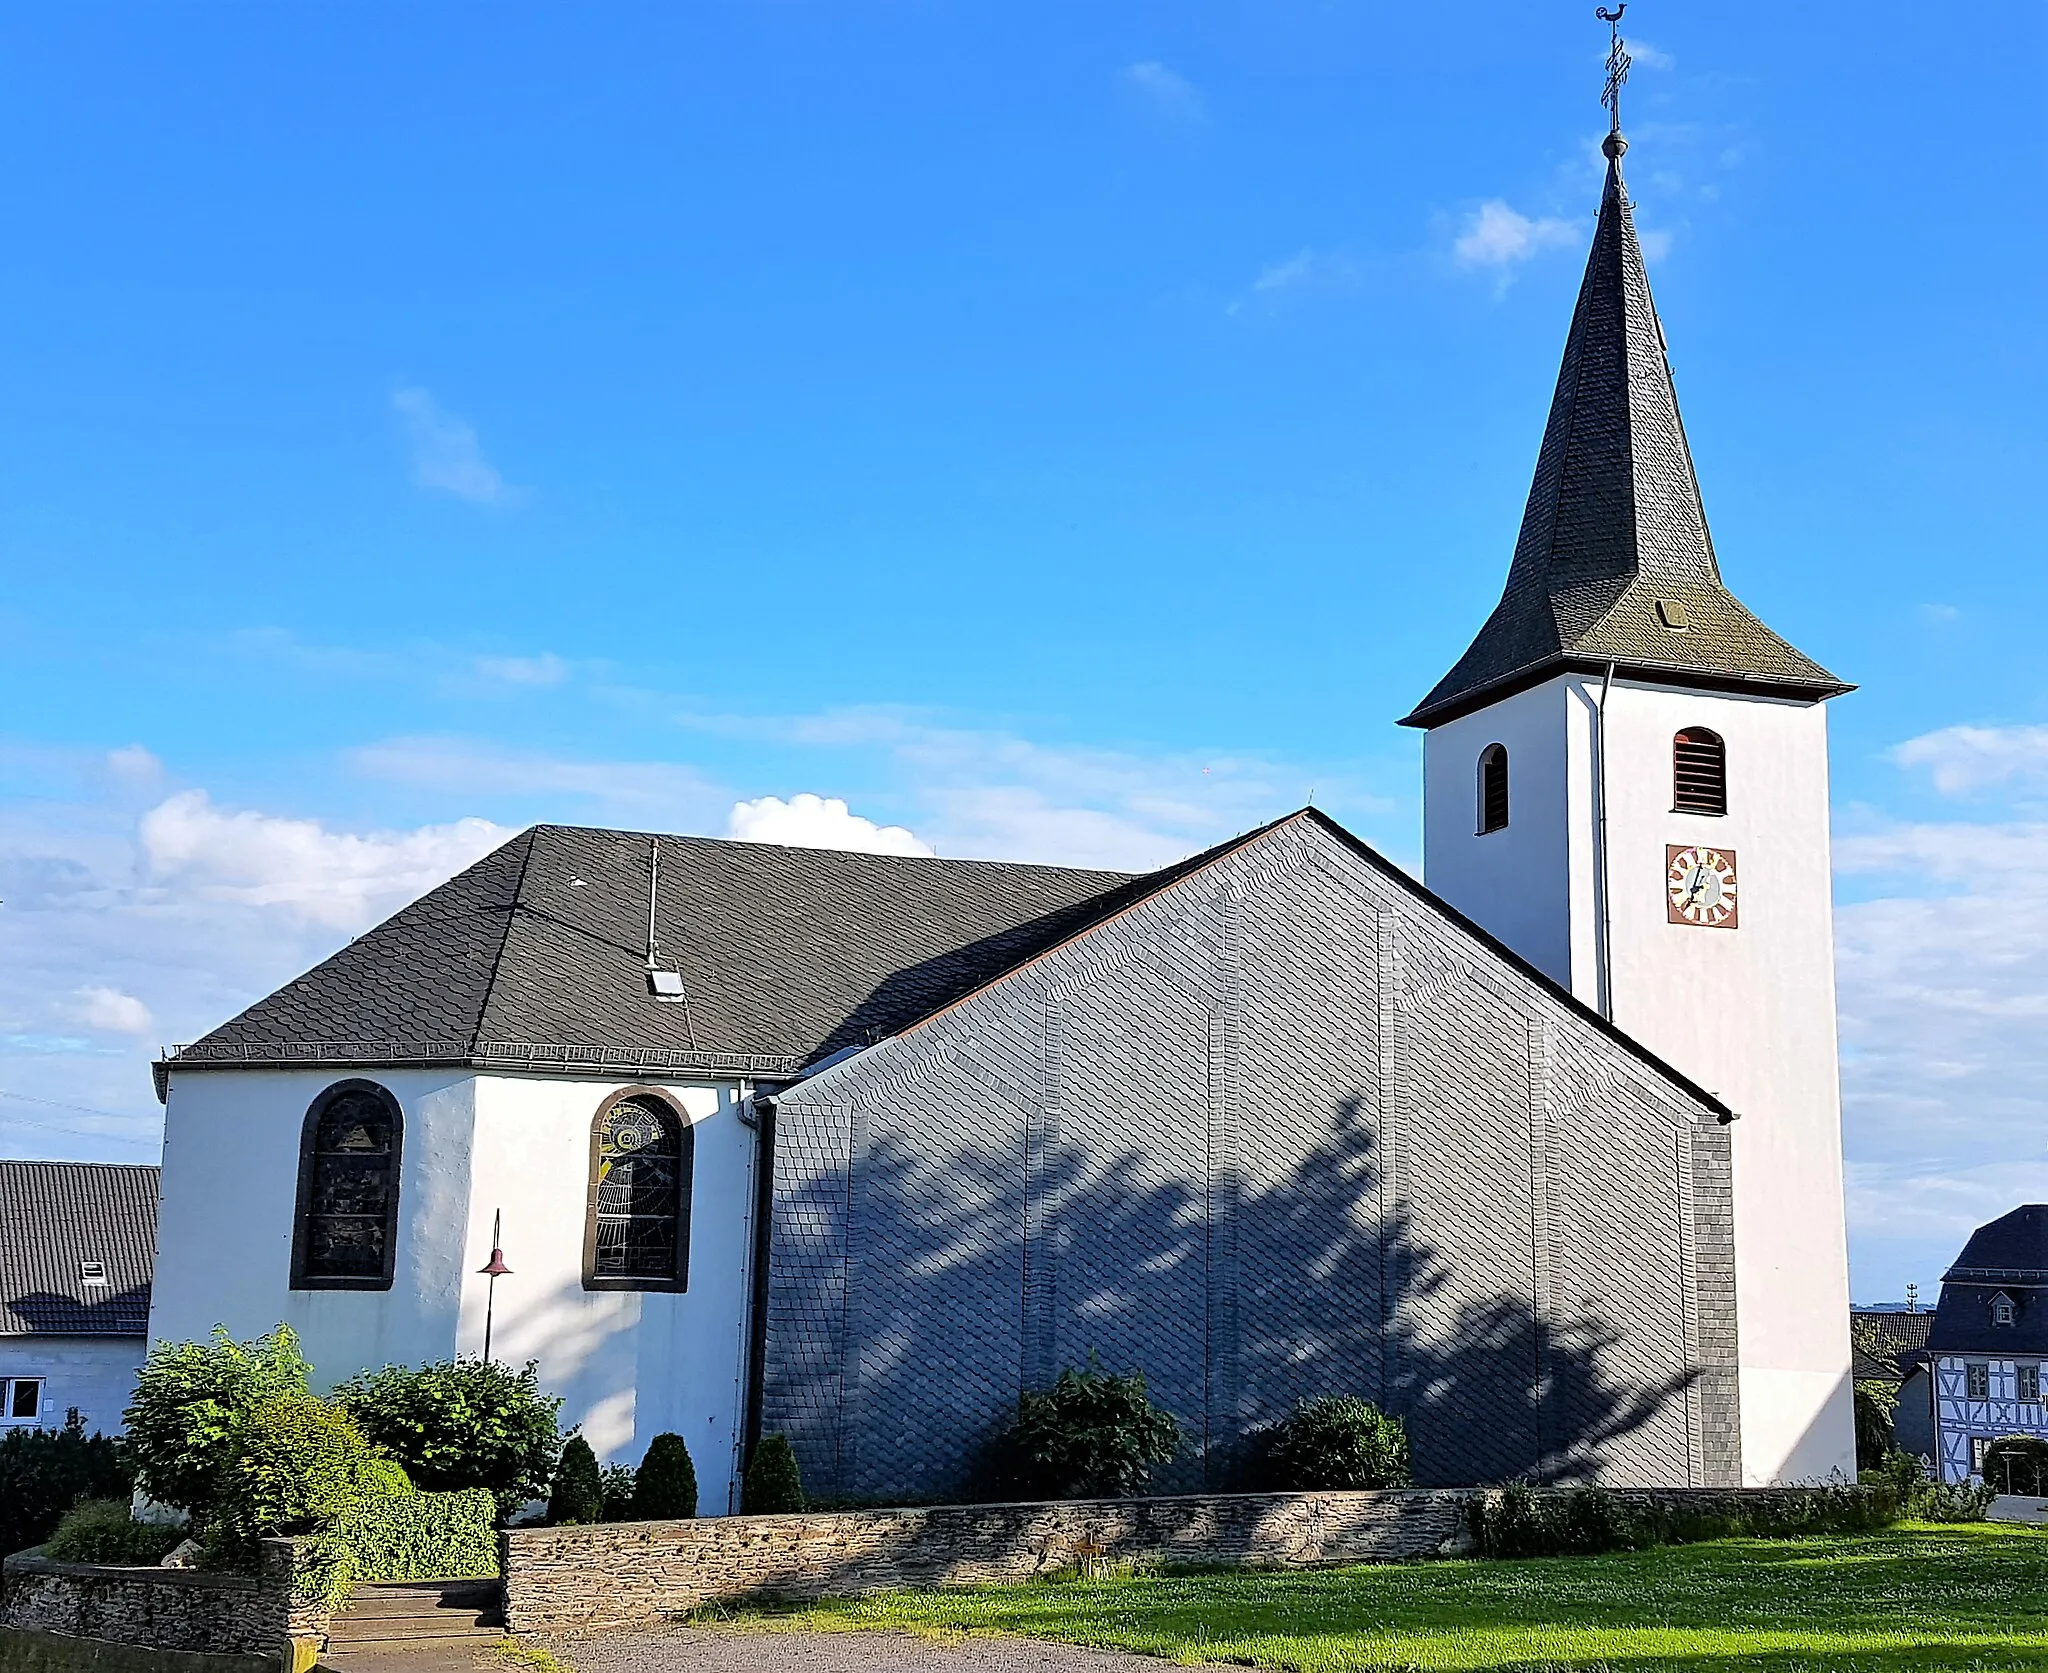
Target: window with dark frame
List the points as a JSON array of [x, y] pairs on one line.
[[1699, 772], [1976, 1382], [348, 1189], [642, 1163], [1493, 788], [1979, 1445], [2030, 1384]]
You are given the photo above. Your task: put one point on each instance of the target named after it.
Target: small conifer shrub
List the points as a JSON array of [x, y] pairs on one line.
[[774, 1485], [578, 1496], [667, 1487]]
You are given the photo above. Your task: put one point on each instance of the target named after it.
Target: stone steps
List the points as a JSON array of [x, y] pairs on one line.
[[389, 1612]]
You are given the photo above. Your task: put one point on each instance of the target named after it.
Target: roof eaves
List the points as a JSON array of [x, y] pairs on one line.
[[1441, 712]]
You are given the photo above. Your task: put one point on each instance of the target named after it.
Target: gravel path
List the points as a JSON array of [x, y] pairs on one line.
[[730, 1650]]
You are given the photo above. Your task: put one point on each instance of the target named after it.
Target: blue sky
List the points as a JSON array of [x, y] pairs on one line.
[[1069, 433]]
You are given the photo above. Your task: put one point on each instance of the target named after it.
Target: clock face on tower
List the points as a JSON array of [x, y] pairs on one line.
[[1699, 886]]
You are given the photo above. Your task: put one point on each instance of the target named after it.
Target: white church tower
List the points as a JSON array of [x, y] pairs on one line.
[[1626, 780]]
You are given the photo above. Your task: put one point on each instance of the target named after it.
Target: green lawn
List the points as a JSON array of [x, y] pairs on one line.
[[1919, 1596]]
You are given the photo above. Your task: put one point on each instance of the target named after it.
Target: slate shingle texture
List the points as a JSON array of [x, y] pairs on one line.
[[538, 952], [1614, 526], [2007, 1256], [55, 1216]]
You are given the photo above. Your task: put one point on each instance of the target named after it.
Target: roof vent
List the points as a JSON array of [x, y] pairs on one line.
[[92, 1272], [1672, 614], [666, 985]]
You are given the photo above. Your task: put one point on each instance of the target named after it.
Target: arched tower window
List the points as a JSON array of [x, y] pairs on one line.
[[1699, 772], [1493, 788], [346, 1232], [642, 1155]]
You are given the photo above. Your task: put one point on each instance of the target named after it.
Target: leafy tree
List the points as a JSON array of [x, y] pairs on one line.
[[1876, 1400], [1339, 1442], [461, 1423], [578, 1495], [774, 1485], [190, 1402], [44, 1472], [616, 1484], [667, 1490], [1090, 1436], [299, 1462]]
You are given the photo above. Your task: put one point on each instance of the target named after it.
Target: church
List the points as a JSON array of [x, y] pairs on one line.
[[1542, 1153]]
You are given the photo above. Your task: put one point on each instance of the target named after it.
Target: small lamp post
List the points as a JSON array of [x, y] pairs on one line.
[[495, 1270]]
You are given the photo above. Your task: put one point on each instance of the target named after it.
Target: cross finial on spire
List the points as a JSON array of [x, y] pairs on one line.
[[1618, 62]]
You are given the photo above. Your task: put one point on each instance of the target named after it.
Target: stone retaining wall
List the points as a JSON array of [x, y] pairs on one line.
[[163, 1608], [632, 1574], [636, 1573]]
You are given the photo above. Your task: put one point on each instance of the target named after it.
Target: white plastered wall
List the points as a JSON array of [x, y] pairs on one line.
[[94, 1374], [1749, 1012], [628, 1364]]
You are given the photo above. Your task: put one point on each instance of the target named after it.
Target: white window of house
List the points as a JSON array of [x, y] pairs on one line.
[[2004, 1315], [1977, 1382], [21, 1399], [1979, 1444], [2030, 1384]]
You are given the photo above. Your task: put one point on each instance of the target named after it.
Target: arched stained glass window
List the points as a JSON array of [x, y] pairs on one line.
[[1699, 772], [1493, 788], [347, 1224], [642, 1156]]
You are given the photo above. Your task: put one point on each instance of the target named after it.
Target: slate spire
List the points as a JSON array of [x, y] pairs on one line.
[[1615, 563]]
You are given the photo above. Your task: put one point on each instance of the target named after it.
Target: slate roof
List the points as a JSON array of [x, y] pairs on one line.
[[1614, 523], [2008, 1256], [1898, 1339], [53, 1217], [537, 953]]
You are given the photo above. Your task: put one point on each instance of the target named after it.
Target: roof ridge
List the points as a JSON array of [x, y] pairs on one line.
[[848, 853]]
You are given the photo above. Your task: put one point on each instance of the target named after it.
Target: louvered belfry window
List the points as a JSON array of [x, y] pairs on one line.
[[348, 1189], [640, 1197], [1699, 772], [1493, 788]]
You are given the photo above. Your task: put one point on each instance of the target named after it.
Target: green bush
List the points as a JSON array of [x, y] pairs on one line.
[[461, 1423], [299, 1462], [1338, 1442], [189, 1404], [1090, 1436], [774, 1486], [1950, 1501], [105, 1531], [2017, 1464], [1517, 1521], [667, 1490], [615, 1487], [403, 1536], [577, 1498], [44, 1472]]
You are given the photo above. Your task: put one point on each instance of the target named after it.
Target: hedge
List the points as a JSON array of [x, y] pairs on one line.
[[1516, 1522], [405, 1536]]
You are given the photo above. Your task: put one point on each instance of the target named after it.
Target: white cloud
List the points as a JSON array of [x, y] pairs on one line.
[[1655, 245], [1646, 57], [1281, 275], [662, 795], [446, 453], [334, 879], [1167, 94], [112, 1011], [1497, 236], [1963, 758], [543, 670], [810, 821], [135, 766]]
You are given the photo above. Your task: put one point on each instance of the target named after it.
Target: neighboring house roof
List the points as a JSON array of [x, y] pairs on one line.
[[55, 1217], [537, 953], [2005, 1257], [1895, 1341], [535, 957], [1615, 563]]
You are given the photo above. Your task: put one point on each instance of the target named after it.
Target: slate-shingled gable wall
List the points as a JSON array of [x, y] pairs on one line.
[[1280, 1130]]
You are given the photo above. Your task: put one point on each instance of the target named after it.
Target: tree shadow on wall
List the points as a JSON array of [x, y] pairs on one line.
[[1236, 1304]]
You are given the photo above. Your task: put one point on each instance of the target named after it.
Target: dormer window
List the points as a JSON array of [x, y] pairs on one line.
[[1493, 788], [2004, 1315]]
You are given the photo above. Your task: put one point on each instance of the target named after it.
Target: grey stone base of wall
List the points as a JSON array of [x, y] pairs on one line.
[[639, 1573], [574, 1581], [26, 1651], [188, 1611]]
